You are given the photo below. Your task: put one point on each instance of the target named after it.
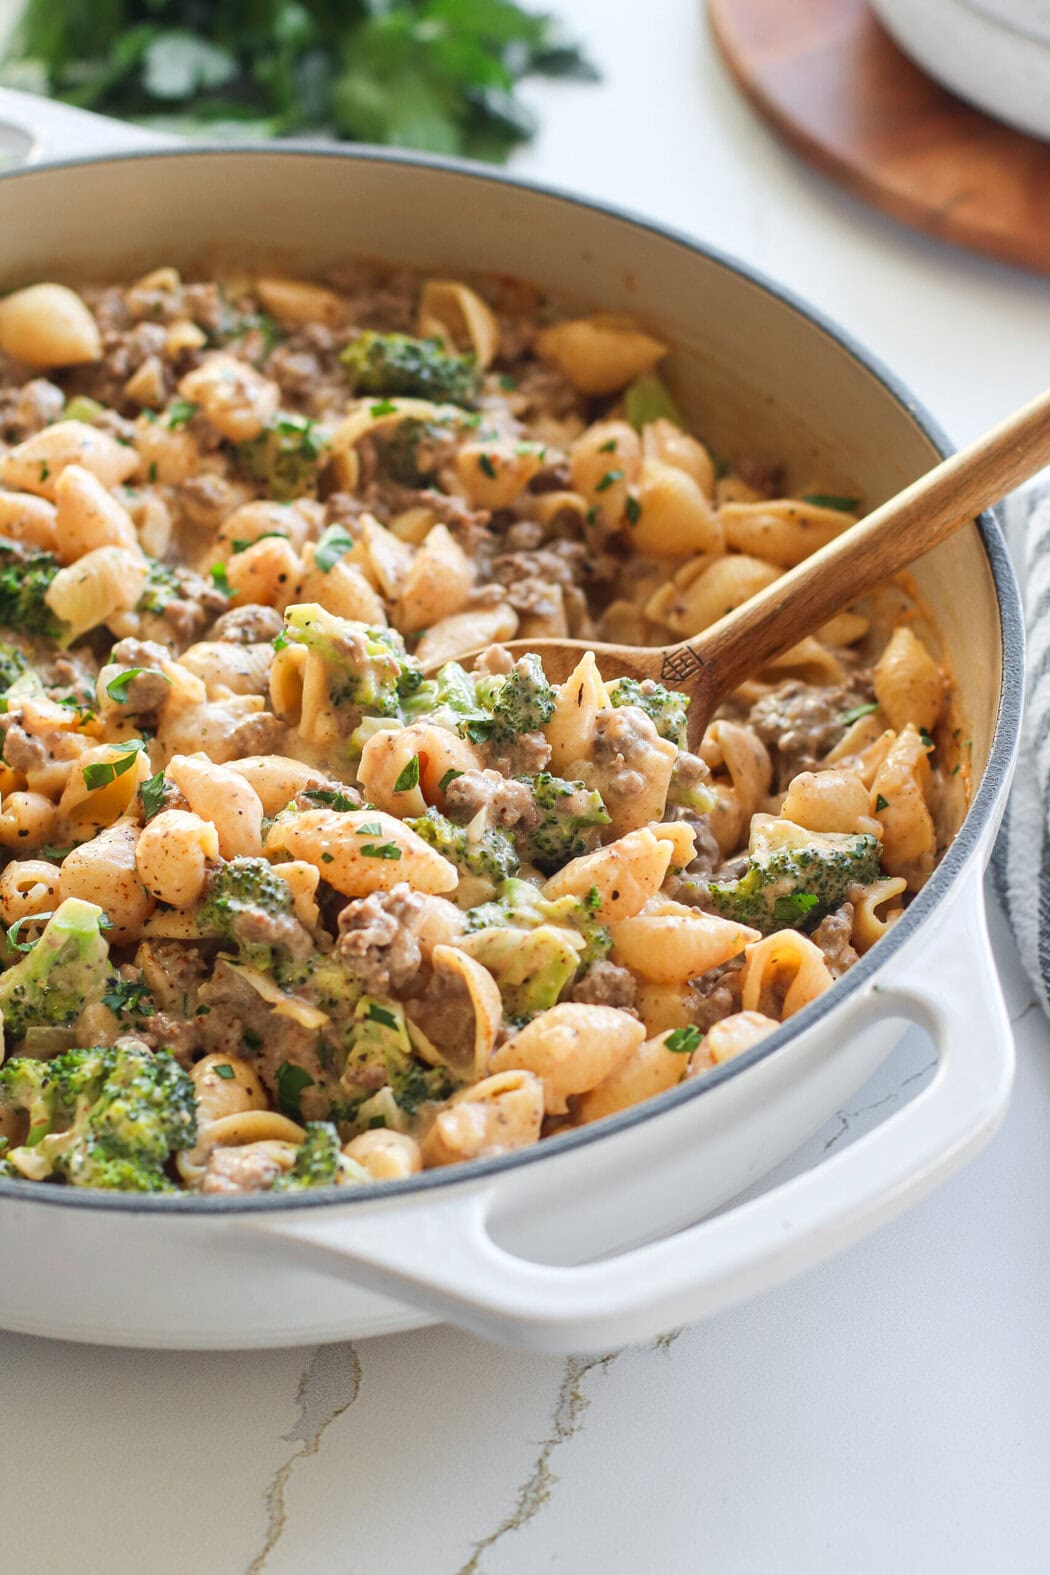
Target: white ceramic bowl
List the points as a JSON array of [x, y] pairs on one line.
[[590, 1238], [993, 53]]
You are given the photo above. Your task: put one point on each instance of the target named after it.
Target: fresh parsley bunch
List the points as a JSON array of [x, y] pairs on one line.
[[433, 74]]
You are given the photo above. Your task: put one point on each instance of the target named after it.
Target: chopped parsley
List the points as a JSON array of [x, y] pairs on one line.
[[329, 798], [225, 1071], [450, 776], [608, 479], [151, 792], [790, 909], [487, 467], [221, 579], [101, 772], [683, 1041], [633, 509], [608, 448], [409, 777], [379, 1014], [831, 500], [290, 1081], [180, 412], [126, 997], [242, 543], [333, 545], [380, 850], [881, 803], [15, 931], [849, 717], [118, 687]]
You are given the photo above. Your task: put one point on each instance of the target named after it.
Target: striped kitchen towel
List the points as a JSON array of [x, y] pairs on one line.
[[1021, 860]]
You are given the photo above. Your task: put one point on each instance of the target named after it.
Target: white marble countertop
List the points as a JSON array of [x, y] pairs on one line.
[[884, 1414]]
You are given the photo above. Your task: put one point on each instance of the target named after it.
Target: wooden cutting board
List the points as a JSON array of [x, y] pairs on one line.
[[830, 80]]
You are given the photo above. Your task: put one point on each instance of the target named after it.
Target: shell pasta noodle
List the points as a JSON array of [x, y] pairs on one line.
[[289, 896]]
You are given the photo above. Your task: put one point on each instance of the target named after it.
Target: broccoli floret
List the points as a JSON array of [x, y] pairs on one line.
[[162, 586], [505, 707], [391, 364], [107, 1117], [571, 814], [319, 1161], [792, 884], [486, 708], [67, 970], [665, 708], [379, 1038], [241, 903], [12, 665], [286, 456], [525, 702], [410, 452], [522, 906], [368, 668], [320, 979], [531, 970], [25, 579], [450, 700], [492, 855]]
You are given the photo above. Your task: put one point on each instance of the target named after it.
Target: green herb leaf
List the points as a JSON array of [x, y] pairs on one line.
[[380, 850], [409, 777], [793, 907], [371, 828], [102, 772], [333, 545], [450, 776], [225, 1071], [118, 687], [221, 579], [242, 543], [290, 1081], [607, 448], [383, 407], [849, 717], [608, 479], [16, 929], [683, 1041], [881, 803], [633, 509], [831, 500], [179, 413], [176, 65], [485, 464], [927, 739], [151, 793], [330, 798], [379, 1014]]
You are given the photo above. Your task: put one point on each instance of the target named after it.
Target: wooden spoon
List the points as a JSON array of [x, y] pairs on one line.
[[711, 665]]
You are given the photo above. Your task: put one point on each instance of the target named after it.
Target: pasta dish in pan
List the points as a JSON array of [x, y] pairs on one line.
[[280, 910]]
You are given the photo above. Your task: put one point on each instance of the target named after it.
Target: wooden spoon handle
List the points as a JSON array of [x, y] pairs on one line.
[[878, 546]]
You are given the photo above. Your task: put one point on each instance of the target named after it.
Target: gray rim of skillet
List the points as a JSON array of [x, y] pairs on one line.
[[984, 807]]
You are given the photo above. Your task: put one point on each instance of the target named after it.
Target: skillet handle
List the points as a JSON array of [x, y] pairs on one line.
[[436, 1252], [34, 129]]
